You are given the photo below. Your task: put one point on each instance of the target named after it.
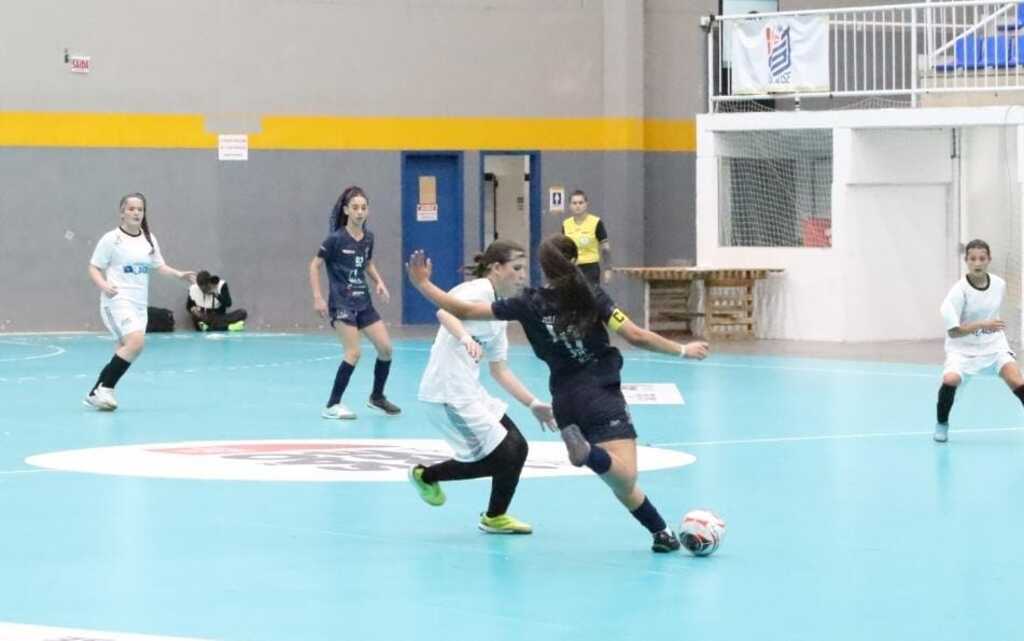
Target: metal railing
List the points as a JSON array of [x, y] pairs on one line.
[[902, 51]]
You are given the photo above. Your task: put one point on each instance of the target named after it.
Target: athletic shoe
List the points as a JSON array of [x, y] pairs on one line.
[[237, 326], [203, 327], [665, 541], [576, 444], [941, 432], [92, 400], [431, 493], [503, 524], [102, 398], [383, 406], [338, 411]]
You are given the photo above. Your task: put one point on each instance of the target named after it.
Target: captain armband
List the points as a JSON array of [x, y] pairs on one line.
[[617, 319]]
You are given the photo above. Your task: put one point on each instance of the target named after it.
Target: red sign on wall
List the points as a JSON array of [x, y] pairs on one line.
[[79, 64]]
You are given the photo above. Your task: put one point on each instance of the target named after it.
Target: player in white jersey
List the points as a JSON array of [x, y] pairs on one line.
[[485, 440], [975, 341], [120, 267]]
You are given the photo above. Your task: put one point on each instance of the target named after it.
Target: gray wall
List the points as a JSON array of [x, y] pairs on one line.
[[233, 61], [238, 59]]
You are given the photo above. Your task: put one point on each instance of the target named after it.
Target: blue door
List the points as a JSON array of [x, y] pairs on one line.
[[431, 221]]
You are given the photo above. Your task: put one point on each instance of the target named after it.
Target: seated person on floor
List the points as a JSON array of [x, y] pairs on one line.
[[208, 303]]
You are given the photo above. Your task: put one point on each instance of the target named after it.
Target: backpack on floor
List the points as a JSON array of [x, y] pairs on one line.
[[160, 320]]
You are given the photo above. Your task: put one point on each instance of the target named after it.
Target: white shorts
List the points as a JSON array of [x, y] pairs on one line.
[[964, 365], [123, 318], [473, 429]]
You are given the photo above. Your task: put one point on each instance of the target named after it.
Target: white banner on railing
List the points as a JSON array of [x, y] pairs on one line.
[[780, 55]]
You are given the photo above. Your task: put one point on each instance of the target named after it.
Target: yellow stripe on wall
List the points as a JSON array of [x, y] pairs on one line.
[[670, 135], [50, 129], [323, 133]]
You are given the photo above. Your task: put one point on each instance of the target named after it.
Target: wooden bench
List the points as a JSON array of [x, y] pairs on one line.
[[728, 306]]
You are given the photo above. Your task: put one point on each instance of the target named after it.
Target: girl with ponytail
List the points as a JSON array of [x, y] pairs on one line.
[[567, 323], [120, 267], [347, 254]]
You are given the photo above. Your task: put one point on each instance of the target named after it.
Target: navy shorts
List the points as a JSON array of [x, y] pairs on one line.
[[600, 411], [358, 318]]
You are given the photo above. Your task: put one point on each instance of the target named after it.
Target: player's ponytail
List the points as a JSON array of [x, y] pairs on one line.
[[338, 216], [500, 252], [145, 217], [577, 307]]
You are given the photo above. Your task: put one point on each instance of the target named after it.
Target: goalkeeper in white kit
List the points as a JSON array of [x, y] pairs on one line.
[[975, 341]]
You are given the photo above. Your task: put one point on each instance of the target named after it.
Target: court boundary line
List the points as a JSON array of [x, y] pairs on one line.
[[828, 437]]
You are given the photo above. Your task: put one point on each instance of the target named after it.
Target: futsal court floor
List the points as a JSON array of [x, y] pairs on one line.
[[216, 504]]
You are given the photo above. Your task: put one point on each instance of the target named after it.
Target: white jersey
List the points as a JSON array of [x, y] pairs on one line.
[[964, 304], [126, 262], [451, 375]]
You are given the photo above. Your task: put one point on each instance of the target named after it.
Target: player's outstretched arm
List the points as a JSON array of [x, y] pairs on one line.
[[645, 339], [167, 270], [419, 269]]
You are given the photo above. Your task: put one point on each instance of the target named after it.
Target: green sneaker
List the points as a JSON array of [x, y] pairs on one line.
[[431, 493], [237, 326], [504, 524], [203, 327]]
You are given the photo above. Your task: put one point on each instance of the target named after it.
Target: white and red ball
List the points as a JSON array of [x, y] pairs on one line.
[[701, 532]]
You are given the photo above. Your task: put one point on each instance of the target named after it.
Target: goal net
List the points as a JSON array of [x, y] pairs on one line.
[[775, 188]]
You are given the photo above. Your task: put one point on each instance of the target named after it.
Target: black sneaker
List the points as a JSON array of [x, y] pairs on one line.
[[665, 541], [382, 404], [575, 444]]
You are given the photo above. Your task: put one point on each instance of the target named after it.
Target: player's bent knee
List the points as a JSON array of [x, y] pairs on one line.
[[951, 379]]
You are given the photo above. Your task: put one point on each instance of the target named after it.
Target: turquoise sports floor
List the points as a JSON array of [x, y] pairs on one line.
[[845, 520]]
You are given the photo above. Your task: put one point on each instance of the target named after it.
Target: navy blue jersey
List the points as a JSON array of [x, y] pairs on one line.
[[573, 360], [346, 259]]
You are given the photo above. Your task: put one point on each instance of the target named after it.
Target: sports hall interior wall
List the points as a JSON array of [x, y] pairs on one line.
[[606, 90]]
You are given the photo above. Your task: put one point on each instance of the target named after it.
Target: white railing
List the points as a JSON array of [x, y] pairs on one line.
[[903, 51]]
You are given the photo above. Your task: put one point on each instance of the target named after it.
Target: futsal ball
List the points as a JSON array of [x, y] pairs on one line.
[[701, 532]]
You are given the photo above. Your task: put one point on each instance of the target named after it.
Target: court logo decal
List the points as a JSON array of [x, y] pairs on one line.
[[320, 460]]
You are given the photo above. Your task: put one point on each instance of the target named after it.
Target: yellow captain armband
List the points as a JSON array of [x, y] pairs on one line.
[[617, 319]]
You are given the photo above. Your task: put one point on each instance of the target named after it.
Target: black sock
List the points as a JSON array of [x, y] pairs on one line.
[[381, 369], [599, 460], [504, 465], [112, 372], [504, 483], [946, 394], [340, 382], [648, 515], [1019, 393]]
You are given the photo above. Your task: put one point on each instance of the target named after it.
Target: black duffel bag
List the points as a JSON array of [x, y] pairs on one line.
[[160, 320]]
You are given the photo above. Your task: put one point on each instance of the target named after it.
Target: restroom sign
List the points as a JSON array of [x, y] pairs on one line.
[[556, 199]]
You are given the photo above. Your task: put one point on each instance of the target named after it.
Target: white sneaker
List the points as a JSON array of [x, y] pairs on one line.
[[102, 399], [106, 395], [338, 411]]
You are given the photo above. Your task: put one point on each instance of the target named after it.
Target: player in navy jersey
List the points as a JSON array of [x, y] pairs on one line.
[[565, 323], [347, 253], [975, 341], [120, 267]]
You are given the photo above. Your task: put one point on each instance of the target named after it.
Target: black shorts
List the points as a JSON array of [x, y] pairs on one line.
[[592, 271], [358, 318], [600, 411]]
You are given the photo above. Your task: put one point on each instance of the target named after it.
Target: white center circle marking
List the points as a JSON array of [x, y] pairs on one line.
[[302, 460]]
